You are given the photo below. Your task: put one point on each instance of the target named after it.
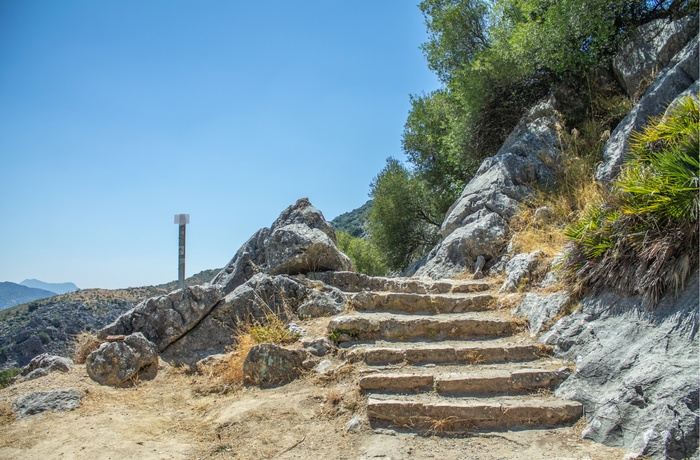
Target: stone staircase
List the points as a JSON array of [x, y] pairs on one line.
[[437, 357]]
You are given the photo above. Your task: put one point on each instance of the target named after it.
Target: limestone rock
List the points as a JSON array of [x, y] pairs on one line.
[[673, 80], [330, 301], [270, 365], [44, 364], [319, 346], [518, 269], [46, 401], [164, 319], [650, 48], [260, 296], [541, 309], [299, 241], [476, 224], [119, 363], [636, 371]]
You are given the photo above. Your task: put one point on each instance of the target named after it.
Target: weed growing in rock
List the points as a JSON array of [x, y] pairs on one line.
[[271, 330]]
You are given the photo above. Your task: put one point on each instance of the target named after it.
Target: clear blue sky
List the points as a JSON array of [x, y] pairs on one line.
[[116, 115]]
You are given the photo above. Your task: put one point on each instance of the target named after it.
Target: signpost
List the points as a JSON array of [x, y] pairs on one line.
[[181, 220]]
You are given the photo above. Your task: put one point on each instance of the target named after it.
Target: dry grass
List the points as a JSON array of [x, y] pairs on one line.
[[225, 374], [83, 344]]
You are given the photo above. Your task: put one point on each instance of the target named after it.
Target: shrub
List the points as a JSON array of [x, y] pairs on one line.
[[364, 255], [643, 239], [7, 375], [271, 330]]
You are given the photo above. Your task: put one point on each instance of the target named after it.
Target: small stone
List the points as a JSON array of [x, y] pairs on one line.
[[354, 425], [296, 329]]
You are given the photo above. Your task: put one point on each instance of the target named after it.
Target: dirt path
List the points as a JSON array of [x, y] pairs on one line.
[[168, 418]]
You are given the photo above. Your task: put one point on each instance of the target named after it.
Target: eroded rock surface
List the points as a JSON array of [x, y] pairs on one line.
[[636, 371], [44, 364], [46, 401], [121, 362], [270, 365]]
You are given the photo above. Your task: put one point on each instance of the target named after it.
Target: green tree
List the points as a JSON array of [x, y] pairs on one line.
[[364, 255], [404, 221]]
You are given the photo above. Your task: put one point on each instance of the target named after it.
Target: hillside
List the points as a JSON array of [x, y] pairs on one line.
[[353, 222], [48, 325], [12, 294]]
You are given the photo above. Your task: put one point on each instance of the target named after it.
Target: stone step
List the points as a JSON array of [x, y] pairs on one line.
[[478, 382], [422, 303], [389, 326], [448, 352], [358, 282], [436, 414]]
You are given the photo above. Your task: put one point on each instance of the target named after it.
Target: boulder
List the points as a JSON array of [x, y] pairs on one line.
[[120, 363], [673, 80], [46, 401], [299, 241], [636, 371], [164, 319], [270, 365], [649, 49], [44, 364], [252, 301], [319, 346], [541, 309], [519, 268], [476, 224]]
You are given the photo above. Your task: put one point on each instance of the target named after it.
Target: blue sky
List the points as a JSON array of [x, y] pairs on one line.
[[116, 115]]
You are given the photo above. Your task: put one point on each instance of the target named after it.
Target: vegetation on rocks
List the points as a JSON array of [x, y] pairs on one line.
[[643, 238], [495, 60]]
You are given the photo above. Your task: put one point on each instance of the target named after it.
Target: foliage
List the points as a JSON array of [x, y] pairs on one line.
[[364, 255], [353, 222], [271, 330], [644, 238], [404, 220], [6, 376]]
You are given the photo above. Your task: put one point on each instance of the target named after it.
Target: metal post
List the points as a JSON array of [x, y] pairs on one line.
[[181, 220]]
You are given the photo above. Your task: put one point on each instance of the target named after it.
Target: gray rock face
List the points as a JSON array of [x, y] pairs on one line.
[[636, 372], [476, 224], [518, 269], [270, 365], [673, 80], [164, 319], [252, 301], [299, 241], [541, 309], [46, 401], [319, 346], [650, 48], [119, 363], [44, 364]]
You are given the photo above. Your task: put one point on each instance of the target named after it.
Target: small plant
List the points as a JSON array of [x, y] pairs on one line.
[[272, 330], [7, 375], [84, 344]]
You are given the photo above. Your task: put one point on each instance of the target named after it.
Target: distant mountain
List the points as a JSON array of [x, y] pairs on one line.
[[354, 222], [12, 294], [58, 288]]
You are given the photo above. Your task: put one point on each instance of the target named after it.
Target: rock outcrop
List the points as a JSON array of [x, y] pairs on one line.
[[190, 324], [477, 223], [270, 365], [636, 371], [46, 401], [121, 362], [299, 241], [44, 364], [258, 297], [679, 73]]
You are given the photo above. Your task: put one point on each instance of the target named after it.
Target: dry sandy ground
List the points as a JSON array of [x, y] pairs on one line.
[[171, 417]]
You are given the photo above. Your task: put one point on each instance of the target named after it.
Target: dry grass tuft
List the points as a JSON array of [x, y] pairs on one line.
[[83, 344], [226, 374], [271, 330]]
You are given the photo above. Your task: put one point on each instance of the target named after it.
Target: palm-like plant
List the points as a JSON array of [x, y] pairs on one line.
[[644, 239]]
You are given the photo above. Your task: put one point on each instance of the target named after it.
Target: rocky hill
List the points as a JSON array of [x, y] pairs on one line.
[[353, 222], [49, 324], [12, 294]]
